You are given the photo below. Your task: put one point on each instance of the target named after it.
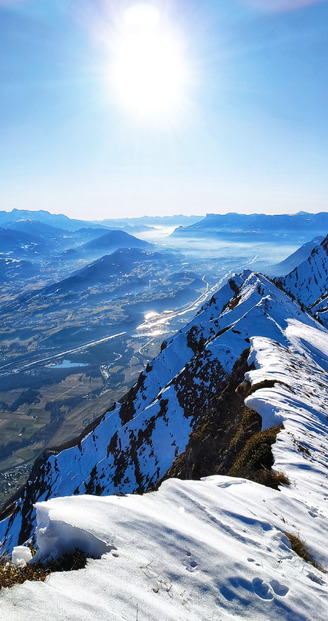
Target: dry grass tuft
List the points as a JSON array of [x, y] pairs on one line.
[[255, 460], [271, 479], [11, 575], [298, 546]]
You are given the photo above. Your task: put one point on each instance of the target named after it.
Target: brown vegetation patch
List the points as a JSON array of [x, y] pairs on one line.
[[223, 427], [299, 546], [256, 460], [11, 575], [266, 384]]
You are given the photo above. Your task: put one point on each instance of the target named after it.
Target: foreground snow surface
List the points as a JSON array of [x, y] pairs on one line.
[[211, 549]]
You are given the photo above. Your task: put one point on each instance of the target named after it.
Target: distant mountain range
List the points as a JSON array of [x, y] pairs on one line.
[[152, 221], [300, 227], [38, 238], [107, 243], [109, 268], [234, 227], [58, 221], [22, 219], [50, 253]]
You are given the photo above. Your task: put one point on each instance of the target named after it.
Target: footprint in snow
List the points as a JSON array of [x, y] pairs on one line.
[[313, 512], [279, 589], [256, 586], [190, 564], [262, 589], [229, 484], [315, 578]]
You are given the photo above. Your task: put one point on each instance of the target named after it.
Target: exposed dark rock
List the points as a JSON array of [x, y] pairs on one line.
[[35, 487], [131, 455], [92, 486], [193, 398], [195, 340], [128, 410], [223, 428]]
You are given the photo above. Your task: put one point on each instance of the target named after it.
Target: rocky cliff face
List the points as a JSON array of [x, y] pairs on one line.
[[188, 391]]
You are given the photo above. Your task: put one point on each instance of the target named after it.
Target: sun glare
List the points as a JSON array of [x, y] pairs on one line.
[[141, 15], [148, 72]]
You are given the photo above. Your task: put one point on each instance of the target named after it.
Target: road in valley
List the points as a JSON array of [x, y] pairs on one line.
[[12, 366]]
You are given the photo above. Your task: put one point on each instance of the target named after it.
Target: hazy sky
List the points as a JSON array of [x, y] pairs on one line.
[[244, 90]]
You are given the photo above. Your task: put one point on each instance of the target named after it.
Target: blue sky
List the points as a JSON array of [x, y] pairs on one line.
[[251, 134]]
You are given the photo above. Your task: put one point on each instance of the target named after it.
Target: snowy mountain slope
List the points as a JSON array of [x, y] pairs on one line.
[[134, 445], [308, 283], [294, 260], [210, 549]]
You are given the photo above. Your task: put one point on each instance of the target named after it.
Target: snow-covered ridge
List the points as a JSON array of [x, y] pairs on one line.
[[198, 550], [136, 443], [210, 549], [294, 260], [308, 282]]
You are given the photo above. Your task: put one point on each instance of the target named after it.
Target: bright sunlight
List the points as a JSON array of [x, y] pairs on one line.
[[149, 73]]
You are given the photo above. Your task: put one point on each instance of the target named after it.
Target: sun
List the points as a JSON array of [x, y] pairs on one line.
[[149, 72]]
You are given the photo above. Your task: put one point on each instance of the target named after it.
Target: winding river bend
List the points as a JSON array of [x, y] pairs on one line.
[[158, 323]]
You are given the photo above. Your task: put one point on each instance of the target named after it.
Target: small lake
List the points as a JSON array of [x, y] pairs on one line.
[[67, 364]]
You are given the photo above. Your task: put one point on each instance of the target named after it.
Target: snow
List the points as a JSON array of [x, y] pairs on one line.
[[299, 401], [59, 531], [196, 550], [309, 281], [21, 555], [214, 549], [295, 259]]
